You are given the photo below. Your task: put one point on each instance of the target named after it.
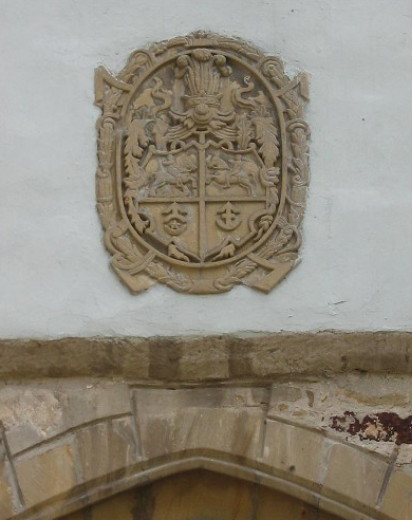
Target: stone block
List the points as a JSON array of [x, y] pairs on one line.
[[405, 456], [397, 502], [250, 355], [43, 475], [346, 407], [106, 447], [354, 474], [295, 402], [297, 451], [6, 495], [32, 414], [204, 360], [285, 393], [90, 402], [74, 357], [160, 400], [222, 419]]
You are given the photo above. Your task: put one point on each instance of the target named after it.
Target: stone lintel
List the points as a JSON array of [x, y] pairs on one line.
[[199, 359]]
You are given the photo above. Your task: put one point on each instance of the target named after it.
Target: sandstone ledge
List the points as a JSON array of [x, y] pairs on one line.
[[208, 358]]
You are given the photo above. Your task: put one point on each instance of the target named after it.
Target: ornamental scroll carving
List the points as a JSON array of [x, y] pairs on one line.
[[203, 165]]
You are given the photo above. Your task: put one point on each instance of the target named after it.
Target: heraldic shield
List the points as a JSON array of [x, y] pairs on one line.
[[202, 166]]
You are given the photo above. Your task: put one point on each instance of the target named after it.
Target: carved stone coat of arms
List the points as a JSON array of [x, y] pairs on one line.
[[203, 165]]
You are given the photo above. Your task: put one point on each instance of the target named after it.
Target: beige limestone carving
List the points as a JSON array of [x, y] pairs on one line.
[[203, 166]]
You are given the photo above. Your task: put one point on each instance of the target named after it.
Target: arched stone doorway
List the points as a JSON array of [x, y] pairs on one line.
[[201, 495], [70, 443]]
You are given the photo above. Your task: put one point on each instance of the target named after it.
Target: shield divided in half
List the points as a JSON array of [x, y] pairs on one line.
[[202, 198]]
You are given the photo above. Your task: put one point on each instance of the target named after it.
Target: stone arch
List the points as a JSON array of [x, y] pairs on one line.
[[324, 499], [280, 456], [76, 433], [205, 488]]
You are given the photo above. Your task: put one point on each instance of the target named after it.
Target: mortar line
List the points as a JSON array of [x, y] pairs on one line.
[[67, 432], [265, 408], [137, 434], [78, 466], [388, 474], [188, 385]]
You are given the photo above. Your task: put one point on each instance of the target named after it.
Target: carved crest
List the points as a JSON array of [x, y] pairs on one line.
[[203, 165]]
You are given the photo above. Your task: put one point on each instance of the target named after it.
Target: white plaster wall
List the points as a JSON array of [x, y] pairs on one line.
[[356, 270]]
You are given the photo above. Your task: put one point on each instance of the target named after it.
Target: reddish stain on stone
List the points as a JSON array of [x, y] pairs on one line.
[[382, 426]]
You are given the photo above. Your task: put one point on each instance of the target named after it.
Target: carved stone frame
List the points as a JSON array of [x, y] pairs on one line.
[[139, 266]]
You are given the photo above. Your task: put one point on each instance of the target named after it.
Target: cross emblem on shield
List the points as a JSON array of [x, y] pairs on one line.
[[202, 166], [207, 205]]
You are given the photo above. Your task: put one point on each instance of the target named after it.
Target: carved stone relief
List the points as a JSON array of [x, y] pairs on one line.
[[203, 165]]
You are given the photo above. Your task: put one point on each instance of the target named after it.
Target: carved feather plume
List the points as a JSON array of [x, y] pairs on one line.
[[267, 138]]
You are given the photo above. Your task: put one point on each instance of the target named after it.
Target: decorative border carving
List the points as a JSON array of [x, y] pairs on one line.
[[137, 266]]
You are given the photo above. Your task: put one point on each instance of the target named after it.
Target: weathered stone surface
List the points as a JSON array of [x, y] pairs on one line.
[[201, 407], [74, 357], [159, 400], [295, 450], [34, 413], [248, 355], [103, 448], [212, 423], [7, 498], [354, 475], [94, 401], [228, 420], [205, 361], [30, 413], [211, 429], [43, 475], [397, 501], [324, 352], [404, 457], [348, 406]]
